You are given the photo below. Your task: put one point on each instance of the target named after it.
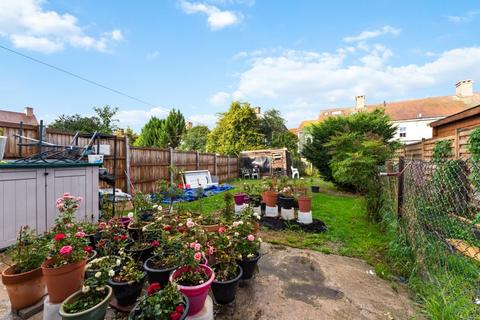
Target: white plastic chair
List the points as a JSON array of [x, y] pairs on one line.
[[255, 173], [295, 173]]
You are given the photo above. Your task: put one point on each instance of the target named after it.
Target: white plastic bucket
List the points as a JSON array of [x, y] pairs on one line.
[[95, 158]]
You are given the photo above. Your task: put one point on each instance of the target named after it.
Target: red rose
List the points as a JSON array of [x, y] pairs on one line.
[[167, 228], [155, 243], [221, 230], [154, 287], [175, 315], [181, 229], [88, 249], [124, 237], [59, 236], [116, 238], [180, 308]]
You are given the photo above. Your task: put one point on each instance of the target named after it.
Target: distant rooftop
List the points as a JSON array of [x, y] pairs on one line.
[[27, 117]]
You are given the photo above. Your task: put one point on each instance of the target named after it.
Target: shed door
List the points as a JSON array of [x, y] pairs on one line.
[[21, 194]]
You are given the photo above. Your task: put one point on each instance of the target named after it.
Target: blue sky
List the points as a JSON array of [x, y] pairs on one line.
[[197, 56]]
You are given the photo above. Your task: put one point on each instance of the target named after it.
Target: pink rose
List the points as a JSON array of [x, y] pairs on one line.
[[190, 224], [197, 247], [197, 256], [66, 195], [69, 225], [80, 234], [250, 237], [221, 230], [79, 199], [66, 250], [192, 245], [211, 250]]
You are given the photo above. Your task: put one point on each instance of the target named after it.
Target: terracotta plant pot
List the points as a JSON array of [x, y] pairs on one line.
[[24, 289], [270, 198], [94, 313], [211, 227], [304, 203], [63, 281], [196, 294]]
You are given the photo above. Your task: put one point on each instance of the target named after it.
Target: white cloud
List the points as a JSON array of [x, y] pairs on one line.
[[216, 18], [220, 98], [136, 118], [26, 24], [204, 119], [469, 16], [369, 34], [304, 82]]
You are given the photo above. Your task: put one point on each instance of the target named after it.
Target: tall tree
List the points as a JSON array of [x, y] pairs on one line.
[[103, 121], [174, 128], [152, 134], [276, 134], [236, 130], [195, 139]]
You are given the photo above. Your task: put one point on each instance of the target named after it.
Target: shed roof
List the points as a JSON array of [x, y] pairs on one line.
[[17, 117]]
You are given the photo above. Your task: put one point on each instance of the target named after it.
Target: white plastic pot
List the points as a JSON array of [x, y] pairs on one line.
[[3, 146], [305, 217], [271, 211], [287, 214]]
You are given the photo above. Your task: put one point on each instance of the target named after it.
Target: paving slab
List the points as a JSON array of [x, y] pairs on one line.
[[304, 284]]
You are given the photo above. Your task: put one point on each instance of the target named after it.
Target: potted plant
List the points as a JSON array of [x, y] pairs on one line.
[[254, 194], [304, 203], [143, 206], [314, 188], [92, 300], [270, 194], [210, 221], [247, 247], [169, 192], [141, 250], [3, 144], [92, 232], [161, 303], [164, 261], [24, 280], [229, 210], [127, 283], [63, 271], [193, 278], [240, 199], [227, 271], [110, 262]]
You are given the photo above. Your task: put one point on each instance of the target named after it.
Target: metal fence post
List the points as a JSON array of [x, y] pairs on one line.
[[401, 167]]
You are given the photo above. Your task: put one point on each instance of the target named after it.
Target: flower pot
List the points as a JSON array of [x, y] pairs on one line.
[[286, 202], [157, 275], [270, 198], [315, 189], [304, 203], [63, 281], [23, 289], [140, 254], [240, 198], [94, 238], [3, 145], [225, 291], [248, 266], [146, 216], [196, 294], [124, 221], [136, 310], [211, 227], [134, 232], [92, 255], [90, 272], [127, 293], [94, 313]]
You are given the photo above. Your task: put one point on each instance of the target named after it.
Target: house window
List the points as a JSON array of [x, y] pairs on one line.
[[403, 132]]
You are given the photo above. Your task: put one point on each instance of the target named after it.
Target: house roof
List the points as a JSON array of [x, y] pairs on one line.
[[433, 107], [17, 117], [470, 112]]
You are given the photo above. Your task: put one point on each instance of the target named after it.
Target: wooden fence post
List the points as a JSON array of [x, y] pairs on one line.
[[457, 144], [170, 164], [197, 160], [127, 166], [228, 167], [215, 163], [401, 167]]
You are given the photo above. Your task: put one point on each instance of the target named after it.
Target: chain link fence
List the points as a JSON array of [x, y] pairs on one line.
[[435, 207]]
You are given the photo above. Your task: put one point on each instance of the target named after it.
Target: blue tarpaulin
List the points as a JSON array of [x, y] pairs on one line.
[[192, 194]]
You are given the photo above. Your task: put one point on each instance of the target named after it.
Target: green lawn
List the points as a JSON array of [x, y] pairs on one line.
[[348, 232]]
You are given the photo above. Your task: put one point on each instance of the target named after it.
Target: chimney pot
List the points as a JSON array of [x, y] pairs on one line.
[[189, 125], [29, 111], [359, 102], [257, 110], [464, 88]]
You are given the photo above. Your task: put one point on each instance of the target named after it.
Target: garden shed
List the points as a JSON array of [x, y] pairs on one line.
[[28, 193], [270, 161]]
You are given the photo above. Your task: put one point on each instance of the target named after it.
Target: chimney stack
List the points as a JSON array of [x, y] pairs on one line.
[[464, 88], [257, 110], [189, 125], [359, 102], [29, 111]]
